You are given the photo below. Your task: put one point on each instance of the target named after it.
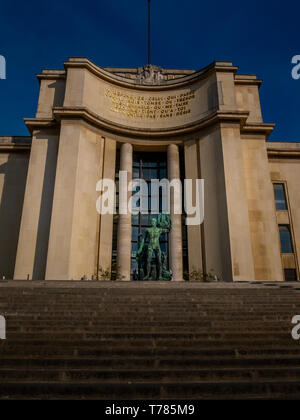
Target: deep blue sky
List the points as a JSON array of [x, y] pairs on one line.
[[260, 37]]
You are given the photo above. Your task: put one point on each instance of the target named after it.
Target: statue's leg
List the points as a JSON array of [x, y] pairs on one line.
[[149, 259], [159, 263]]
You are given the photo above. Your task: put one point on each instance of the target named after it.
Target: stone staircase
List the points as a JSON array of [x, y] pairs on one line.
[[94, 340]]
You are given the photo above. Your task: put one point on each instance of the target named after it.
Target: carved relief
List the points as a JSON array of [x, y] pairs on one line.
[[151, 75]]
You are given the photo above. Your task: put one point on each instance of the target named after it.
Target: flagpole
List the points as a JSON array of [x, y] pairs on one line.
[[149, 32]]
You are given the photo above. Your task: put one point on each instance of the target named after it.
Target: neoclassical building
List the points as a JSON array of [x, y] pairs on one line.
[[92, 122]]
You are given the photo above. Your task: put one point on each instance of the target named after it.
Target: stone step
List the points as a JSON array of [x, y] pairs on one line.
[[150, 320], [145, 336], [168, 303], [153, 344], [132, 330], [135, 309], [148, 375], [150, 390], [157, 298], [132, 311], [149, 351], [150, 362]]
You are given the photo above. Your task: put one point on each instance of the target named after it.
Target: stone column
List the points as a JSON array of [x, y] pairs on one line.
[[124, 226], [192, 171], [106, 220], [175, 237]]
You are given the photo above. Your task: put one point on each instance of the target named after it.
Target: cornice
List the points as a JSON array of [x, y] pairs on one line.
[[14, 147], [81, 113], [52, 75], [258, 128], [248, 82], [38, 123], [132, 84], [63, 113], [273, 153]]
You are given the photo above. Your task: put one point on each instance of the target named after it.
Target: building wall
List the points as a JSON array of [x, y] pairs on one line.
[[52, 93], [216, 229], [286, 169], [13, 173], [73, 234], [247, 98], [237, 203], [262, 216], [37, 209]]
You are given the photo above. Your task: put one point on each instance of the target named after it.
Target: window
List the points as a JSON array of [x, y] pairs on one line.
[[290, 274], [286, 239], [280, 197], [147, 166]]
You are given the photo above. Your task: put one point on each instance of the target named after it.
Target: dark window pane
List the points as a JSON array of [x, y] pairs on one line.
[[135, 219], [164, 237], [286, 240], [153, 173], [136, 173], [163, 173], [290, 274], [145, 173], [280, 198], [134, 246], [148, 164], [136, 159], [164, 247], [145, 219], [134, 265], [135, 233]]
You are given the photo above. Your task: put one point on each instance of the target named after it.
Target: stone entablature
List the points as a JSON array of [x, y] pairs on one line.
[[191, 101], [15, 143], [283, 150]]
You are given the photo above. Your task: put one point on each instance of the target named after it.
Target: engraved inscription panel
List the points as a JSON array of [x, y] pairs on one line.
[[150, 107]]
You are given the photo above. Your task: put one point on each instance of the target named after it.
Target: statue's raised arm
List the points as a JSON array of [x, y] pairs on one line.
[[164, 222]]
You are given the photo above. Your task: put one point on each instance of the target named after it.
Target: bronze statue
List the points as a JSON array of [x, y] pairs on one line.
[[146, 251]]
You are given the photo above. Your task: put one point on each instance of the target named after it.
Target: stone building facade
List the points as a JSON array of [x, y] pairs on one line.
[[92, 122]]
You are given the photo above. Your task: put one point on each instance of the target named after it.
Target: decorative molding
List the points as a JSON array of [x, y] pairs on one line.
[[258, 128], [14, 147], [38, 123], [61, 113], [272, 153]]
